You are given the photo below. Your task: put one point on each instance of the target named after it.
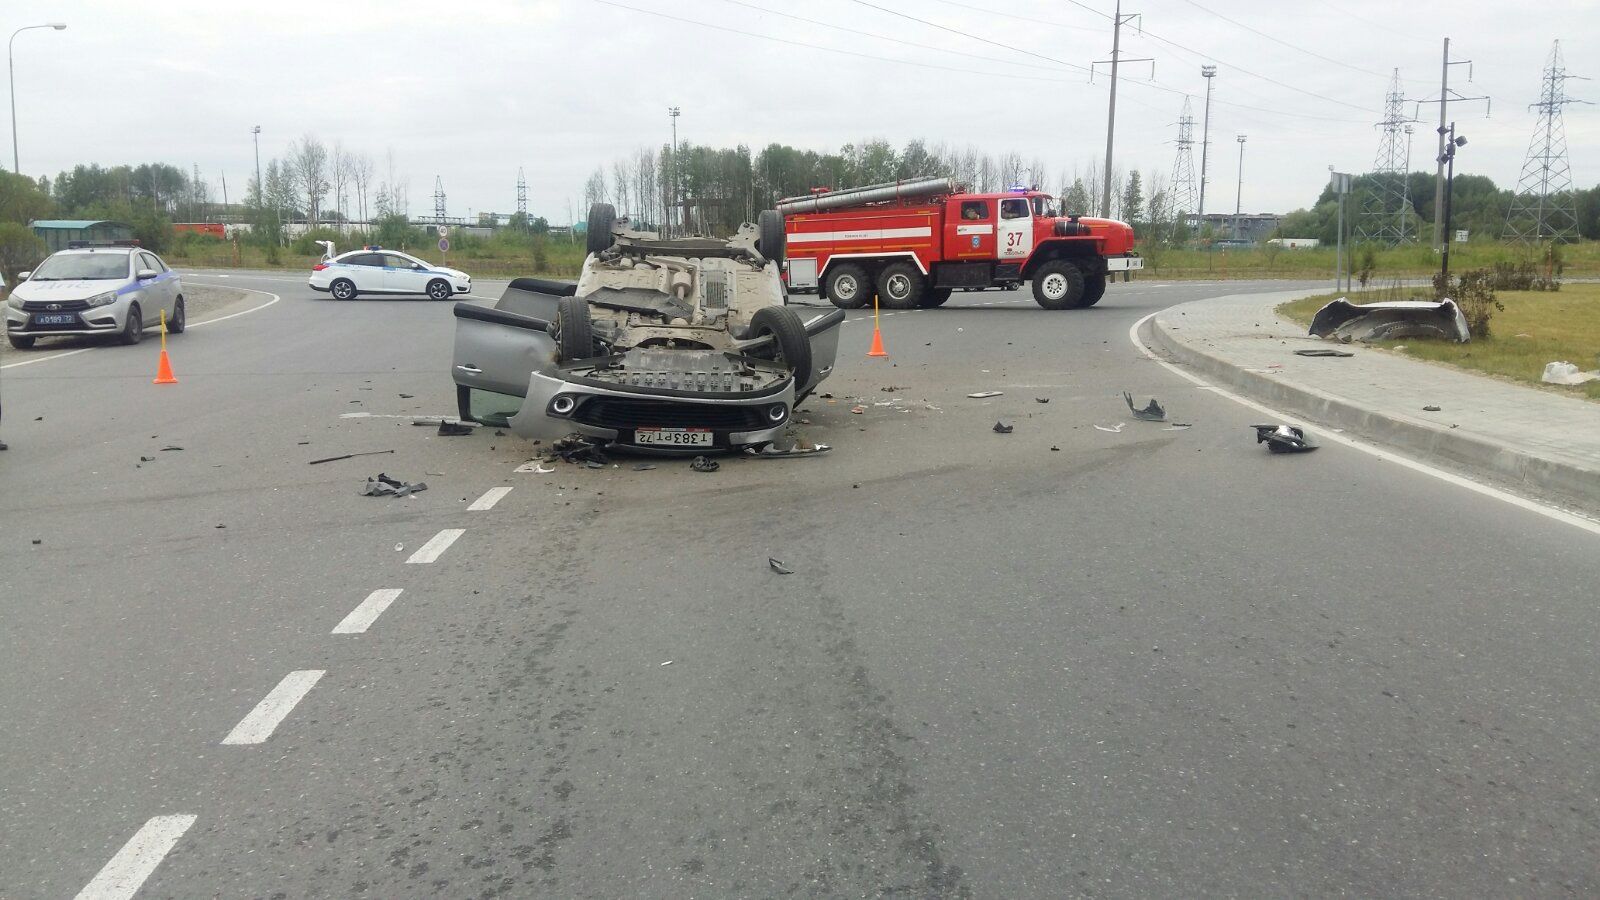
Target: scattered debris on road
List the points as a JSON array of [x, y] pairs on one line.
[[1003, 428], [795, 448], [1335, 353], [1178, 426], [779, 567], [1114, 429], [1055, 449], [328, 459], [1151, 412], [667, 663], [1041, 399], [1566, 373], [1345, 321], [147, 459], [1432, 409], [984, 395], [384, 486], [407, 396], [170, 447], [1284, 438], [858, 410], [704, 464], [535, 466], [575, 448], [644, 467]]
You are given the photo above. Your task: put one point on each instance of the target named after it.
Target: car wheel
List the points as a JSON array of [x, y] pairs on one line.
[[790, 346], [602, 219], [900, 286], [133, 331], [20, 342], [1094, 287], [1058, 284], [848, 287], [934, 297], [439, 289], [574, 330], [179, 319], [343, 289], [772, 243]]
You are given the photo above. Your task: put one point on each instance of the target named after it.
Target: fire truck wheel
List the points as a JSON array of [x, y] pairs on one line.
[[790, 345], [900, 286], [1058, 284], [602, 218], [574, 330], [848, 286], [772, 241], [1094, 287], [934, 297]]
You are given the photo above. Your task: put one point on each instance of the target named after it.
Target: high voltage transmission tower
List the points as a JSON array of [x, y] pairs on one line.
[[1386, 207], [1545, 207], [1184, 191], [522, 193], [438, 197]]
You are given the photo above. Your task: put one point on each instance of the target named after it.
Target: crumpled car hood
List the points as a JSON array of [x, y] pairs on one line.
[[1393, 319]]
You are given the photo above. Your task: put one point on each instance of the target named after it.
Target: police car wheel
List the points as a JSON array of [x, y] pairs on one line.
[[343, 289], [439, 289]]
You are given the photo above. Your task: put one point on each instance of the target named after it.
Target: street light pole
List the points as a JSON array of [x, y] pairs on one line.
[[255, 133], [671, 209], [1238, 197], [11, 66], [1447, 136]]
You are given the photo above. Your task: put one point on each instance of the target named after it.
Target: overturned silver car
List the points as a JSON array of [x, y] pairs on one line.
[[679, 345]]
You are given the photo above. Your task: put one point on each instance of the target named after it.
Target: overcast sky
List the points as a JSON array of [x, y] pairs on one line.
[[470, 90]]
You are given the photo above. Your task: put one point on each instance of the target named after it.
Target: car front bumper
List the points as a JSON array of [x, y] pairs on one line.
[[94, 320]]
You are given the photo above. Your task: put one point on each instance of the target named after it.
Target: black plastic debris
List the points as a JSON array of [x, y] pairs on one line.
[[644, 467], [384, 486], [170, 447], [328, 459], [1041, 399], [1337, 353], [407, 396], [147, 459], [704, 464], [779, 567], [1432, 409], [1054, 449], [578, 449], [453, 429], [1283, 438], [1003, 428], [1153, 412], [37, 542]]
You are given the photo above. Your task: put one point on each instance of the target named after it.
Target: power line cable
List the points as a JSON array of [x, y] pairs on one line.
[[971, 36], [1285, 43]]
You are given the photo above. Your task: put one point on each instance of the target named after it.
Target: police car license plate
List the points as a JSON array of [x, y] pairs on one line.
[[55, 319], [673, 437]]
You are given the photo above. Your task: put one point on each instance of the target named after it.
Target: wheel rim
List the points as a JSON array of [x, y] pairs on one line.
[[341, 291], [1055, 286], [845, 288], [899, 286], [440, 291]]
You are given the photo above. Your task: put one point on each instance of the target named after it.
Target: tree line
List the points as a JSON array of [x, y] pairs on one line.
[[1477, 205]]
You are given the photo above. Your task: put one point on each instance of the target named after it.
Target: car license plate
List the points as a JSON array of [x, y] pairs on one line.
[[55, 319], [673, 437]]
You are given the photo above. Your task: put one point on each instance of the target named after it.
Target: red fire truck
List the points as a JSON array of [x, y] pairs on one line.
[[913, 242]]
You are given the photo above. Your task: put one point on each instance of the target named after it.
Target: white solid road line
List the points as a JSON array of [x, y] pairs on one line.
[[126, 872], [436, 545], [40, 359], [259, 724], [489, 499], [1549, 512], [362, 617]]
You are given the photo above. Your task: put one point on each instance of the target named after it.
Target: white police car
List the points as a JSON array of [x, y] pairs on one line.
[[97, 289], [377, 271]]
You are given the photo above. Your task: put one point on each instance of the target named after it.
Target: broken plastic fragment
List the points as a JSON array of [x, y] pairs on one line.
[[779, 567], [1431, 409], [384, 486], [1340, 353], [1114, 429], [858, 410], [1283, 438], [984, 395], [1153, 412], [1041, 399], [704, 464], [1003, 428], [453, 429]]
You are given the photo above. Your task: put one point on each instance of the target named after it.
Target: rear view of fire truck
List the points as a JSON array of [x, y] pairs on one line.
[[912, 243]]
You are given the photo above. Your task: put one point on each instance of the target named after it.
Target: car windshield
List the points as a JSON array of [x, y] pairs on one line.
[[83, 266]]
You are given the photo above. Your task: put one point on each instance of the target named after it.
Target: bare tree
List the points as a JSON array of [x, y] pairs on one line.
[[308, 160], [594, 190], [620, 183], [340, 170], [361, 174]]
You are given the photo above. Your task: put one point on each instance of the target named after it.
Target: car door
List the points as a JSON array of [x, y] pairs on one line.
[[160, 292], [971, 234], [496, 352], [1015, 231], [401, 275], [364, 269]]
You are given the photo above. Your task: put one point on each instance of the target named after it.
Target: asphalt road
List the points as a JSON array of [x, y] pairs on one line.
[[1062, 661]]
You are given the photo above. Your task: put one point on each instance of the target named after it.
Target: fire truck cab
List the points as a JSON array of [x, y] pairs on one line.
[[912, 243]]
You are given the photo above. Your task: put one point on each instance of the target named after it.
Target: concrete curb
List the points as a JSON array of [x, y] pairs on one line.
[[1422, 439]]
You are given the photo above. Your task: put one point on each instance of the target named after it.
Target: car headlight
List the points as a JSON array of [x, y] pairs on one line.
[[15, 301], [106, 299]]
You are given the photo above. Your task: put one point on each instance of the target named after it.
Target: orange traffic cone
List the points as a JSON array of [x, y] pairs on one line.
[[877, 335], [164, 369]]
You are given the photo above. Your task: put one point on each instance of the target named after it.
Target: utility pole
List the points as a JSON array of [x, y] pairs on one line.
[[1208, 72], [255, 134], [673, 181], [1117, 21], [1183, 189], [1340, 182], [1448, 158], [1445, 96], [522, 196], [1238, 198]]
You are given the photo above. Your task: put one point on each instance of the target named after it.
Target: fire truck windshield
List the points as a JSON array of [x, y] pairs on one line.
[[1045, 206]]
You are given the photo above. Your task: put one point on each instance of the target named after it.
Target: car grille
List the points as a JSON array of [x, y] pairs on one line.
[[54, 305], [607, 412]]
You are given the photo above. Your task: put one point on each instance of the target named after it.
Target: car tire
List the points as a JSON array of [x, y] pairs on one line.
[[602, 218], [1058, 284], [439, 289], [933, 297], [20, 342], [900, 286], [790, 344], [342, 289], [180, 318], [848, 286], [773, 242], [133, 329], [574, 330], [1094, 287]]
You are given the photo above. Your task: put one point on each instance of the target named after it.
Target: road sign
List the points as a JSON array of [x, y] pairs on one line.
[[1340, 182], [444, 245], [1461, 235], [444, 231]]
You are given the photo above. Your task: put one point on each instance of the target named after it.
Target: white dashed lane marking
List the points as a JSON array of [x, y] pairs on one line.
[[259, 724], [362, 617], [126, 872], [436, 545], [489, 499]]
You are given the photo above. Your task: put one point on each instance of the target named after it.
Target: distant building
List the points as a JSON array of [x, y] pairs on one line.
[[1294, 243], [1252, 227], [58, 233]]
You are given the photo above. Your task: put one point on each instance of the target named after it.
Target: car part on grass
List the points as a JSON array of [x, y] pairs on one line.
[[329, 459], [1392, 319], [984, 395], [1114, 429], [779, 567], [1566, 373], [384, 486], [1334, 353], [1152, 412], [1284, 438], [1003, 428], [704, 464]]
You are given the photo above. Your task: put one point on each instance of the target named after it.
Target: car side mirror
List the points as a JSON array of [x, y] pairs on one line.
[[24, 275], [147, 274]]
